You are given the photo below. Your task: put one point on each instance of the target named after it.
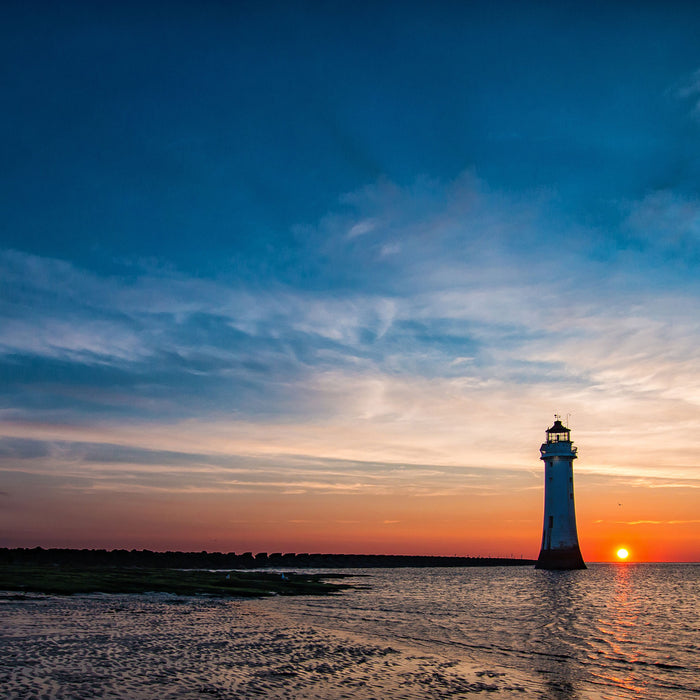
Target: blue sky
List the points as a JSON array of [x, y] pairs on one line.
[[268, 239]]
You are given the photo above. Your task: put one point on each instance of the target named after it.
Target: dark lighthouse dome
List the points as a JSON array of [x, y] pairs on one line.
[[558, 432]]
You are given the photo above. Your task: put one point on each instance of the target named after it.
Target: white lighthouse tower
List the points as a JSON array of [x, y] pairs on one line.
[[560, 548]]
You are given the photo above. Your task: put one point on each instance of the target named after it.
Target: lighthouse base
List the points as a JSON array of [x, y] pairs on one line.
[[560, 559]]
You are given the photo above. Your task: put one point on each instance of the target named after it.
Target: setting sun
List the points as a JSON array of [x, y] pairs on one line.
[[622, 554]]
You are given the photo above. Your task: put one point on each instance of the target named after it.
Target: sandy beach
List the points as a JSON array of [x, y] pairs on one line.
[[145, 647]]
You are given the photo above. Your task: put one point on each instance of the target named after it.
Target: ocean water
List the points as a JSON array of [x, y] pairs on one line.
[[614, 631]]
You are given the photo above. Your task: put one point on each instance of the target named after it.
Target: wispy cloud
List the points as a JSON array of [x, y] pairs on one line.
[[126, 468], [657, 522], [486, 309], [690, 90], [362, 227], [666, 223]]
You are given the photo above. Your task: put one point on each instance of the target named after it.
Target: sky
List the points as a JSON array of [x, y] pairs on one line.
[[316, 276]]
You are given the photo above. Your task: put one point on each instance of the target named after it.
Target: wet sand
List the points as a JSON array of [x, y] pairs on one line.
[[165, 647]]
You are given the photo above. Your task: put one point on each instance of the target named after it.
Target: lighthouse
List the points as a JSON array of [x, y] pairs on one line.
[[560, 548]]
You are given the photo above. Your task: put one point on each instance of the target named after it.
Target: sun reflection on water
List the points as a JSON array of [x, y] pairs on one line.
[[617, 630]]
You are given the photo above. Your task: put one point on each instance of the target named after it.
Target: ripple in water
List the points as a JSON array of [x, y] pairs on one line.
[[612, 631]]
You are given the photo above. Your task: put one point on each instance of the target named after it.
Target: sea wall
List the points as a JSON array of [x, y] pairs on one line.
[[231, 560]]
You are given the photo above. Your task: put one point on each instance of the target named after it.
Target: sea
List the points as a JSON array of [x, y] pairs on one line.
[[611, 632]]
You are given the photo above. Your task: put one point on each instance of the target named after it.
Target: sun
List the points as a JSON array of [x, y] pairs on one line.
[[622, 553]]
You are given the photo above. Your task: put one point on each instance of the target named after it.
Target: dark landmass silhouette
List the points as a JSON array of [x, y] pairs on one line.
[[145, 558]]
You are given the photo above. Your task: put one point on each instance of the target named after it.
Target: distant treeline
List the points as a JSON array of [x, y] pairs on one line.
[[231, 560]]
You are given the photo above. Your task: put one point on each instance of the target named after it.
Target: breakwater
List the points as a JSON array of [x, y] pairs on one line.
[[245, 560]]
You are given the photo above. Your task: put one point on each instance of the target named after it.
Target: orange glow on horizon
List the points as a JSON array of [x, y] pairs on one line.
[[317, 504], [482, 524]]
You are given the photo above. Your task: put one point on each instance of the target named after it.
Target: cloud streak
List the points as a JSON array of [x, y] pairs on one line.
[[378, 360]]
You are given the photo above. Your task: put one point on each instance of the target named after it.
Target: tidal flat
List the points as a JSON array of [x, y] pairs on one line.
[[166, 647], [67, 580]]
